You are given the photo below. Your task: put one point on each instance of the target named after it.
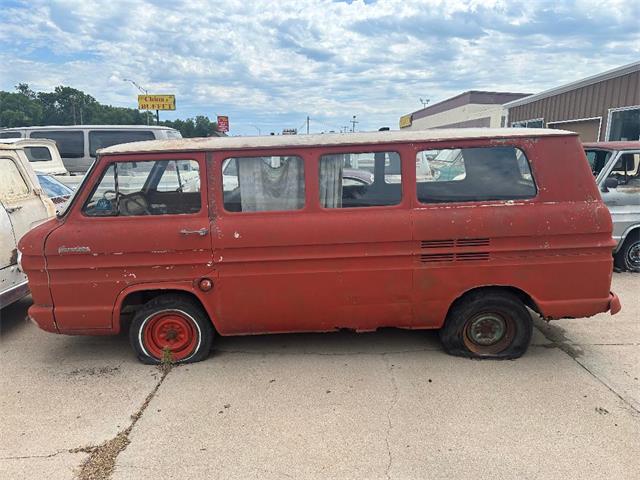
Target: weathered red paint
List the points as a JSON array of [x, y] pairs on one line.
[[320, 270]]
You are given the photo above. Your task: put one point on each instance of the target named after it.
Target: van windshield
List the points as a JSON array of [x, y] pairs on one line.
[[65, 208]]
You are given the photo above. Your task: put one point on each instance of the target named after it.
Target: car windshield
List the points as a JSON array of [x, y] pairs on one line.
[[52, 187]]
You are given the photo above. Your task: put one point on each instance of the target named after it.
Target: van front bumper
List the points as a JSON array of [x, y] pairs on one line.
[[42, 316], [614, 303]]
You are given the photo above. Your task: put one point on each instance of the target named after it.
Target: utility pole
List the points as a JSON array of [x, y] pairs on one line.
[[353, 124], [143, 90], [307, 124]]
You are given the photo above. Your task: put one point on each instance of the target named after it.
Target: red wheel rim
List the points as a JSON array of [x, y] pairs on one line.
[[172, 330]]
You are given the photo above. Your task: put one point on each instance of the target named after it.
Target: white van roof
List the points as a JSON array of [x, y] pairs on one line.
[[29, 141], [92, 127], [278, 141]]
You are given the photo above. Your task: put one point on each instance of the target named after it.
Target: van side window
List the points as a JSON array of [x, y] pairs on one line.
[[161, 187], [105, 138], [12, 185], [263, 184], [349, 180], [474, 174], [70, 143], [10, 134]]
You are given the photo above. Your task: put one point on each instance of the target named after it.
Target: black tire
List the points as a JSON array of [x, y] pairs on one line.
[[498, 312], [628, 257], [167, 322]]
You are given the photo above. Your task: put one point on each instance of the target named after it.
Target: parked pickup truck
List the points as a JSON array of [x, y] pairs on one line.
[[616, 166]]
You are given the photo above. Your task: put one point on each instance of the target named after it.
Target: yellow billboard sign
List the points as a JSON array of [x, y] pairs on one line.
[[406, 120], [156, 102]]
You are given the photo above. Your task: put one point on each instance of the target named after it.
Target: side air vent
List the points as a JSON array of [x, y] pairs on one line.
[[437, 257], [472, 256], [437, 243], [472, 242]]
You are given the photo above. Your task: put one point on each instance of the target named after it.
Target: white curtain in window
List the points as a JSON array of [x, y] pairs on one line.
[[331, 181], [265, 186]]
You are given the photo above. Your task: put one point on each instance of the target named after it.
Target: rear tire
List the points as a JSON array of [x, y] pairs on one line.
[[171, 328], [628, 257], [487, 324]]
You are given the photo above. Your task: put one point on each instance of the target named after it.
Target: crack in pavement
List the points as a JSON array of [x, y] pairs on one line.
[[556, 335], [102, 459], [51, 455], [393, 403]]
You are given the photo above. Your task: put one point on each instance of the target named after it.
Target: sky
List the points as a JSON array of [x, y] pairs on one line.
[[270, 64]]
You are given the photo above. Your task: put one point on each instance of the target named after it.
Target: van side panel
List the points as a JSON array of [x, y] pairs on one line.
[[555, 247], [313, 269]]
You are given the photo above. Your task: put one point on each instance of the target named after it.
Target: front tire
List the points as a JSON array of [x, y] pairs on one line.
[[487, 324], [171, 328], [628, 257]]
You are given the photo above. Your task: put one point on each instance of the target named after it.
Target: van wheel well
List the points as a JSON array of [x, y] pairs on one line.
[[136, 300], [523, 296]]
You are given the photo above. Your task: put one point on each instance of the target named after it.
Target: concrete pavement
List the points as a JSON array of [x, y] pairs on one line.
[[383, 405]]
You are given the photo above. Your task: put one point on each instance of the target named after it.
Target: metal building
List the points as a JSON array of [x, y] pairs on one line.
[[600, 108]]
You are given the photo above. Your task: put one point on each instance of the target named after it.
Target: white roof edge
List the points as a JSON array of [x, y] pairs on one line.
[[282, 141], [108, 127], [600, 77], [14, 140]]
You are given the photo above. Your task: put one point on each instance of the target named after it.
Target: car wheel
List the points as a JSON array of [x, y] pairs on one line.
[[628, 257], [171, 328], [487, 324]]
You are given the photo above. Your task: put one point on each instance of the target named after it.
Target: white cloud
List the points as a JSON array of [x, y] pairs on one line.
[[272, 63]]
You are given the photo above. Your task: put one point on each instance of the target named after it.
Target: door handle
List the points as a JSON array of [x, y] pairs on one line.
[[13, 209], [202, 232]]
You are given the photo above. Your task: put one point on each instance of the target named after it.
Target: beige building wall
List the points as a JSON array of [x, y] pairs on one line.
[[482, 115]]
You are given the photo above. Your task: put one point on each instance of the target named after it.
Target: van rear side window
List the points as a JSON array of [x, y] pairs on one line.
[[10, 135], [70, 144], [475, 174], [103, 139]]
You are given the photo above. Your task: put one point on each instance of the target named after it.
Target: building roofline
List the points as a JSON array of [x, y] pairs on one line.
[[457, 100], [600, 77]]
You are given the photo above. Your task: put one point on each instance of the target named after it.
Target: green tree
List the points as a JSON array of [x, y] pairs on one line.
[[20, 109], [69, 106]]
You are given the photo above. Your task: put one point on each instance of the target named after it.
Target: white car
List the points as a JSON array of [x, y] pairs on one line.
[[44, 157], [22, 206]]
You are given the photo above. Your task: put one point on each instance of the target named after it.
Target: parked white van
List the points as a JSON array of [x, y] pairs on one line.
[[22, 205], [78, 143]]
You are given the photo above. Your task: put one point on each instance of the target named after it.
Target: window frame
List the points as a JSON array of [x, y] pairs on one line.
[[388, 148], [222, 162], [525, 123], [98, 174], [468, 144], [43, 134]]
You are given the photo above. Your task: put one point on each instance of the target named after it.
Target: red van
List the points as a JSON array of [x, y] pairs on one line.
[[496, 222]]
